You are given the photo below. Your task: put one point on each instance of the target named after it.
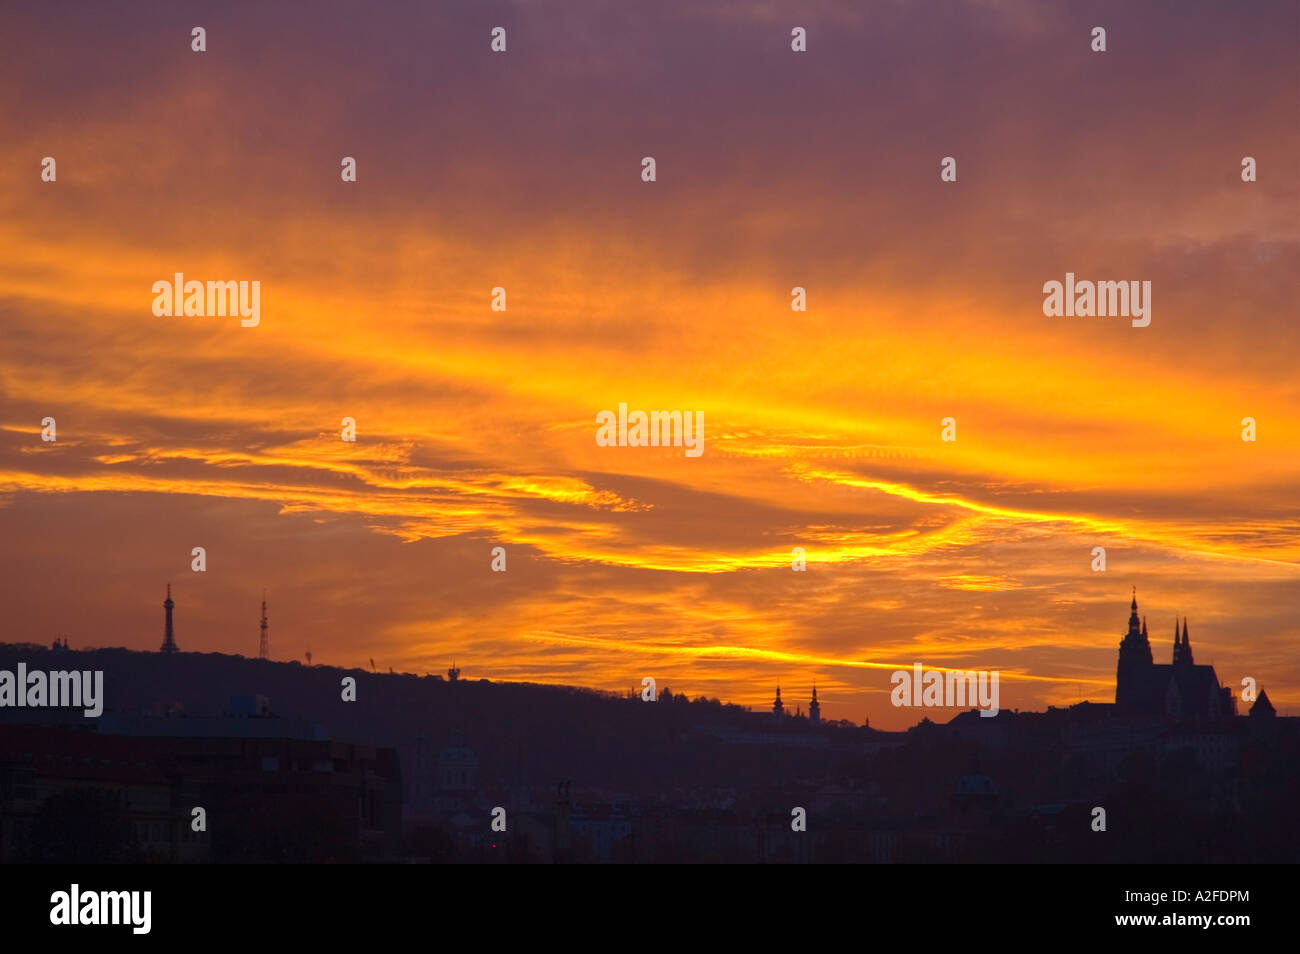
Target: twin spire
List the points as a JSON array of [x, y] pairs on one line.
[[1183, 649], [1182, 643], [814, 707]]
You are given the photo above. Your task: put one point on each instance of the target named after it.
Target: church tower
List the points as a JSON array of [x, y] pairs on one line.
[[169, 638], [1134, 662], [814, 708], [778, 709]]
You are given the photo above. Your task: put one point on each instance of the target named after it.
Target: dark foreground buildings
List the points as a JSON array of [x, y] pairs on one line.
[[72, 794], [576, 775]]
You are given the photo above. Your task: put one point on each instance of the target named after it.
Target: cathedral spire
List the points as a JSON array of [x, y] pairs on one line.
[[1134, 661], [1187, 643]]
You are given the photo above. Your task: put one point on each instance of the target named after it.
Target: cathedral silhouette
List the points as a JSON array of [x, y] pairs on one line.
[[1181, 689]]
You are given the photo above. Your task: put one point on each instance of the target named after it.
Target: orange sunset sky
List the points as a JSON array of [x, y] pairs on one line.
[[476, 428]]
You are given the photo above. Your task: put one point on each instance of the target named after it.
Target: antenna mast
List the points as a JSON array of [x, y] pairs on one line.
[[264, 651]]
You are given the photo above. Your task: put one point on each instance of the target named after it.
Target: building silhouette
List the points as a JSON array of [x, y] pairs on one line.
[[1181, 689], [169, 637], [814, 708], [778, 709], [1263, 709]]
